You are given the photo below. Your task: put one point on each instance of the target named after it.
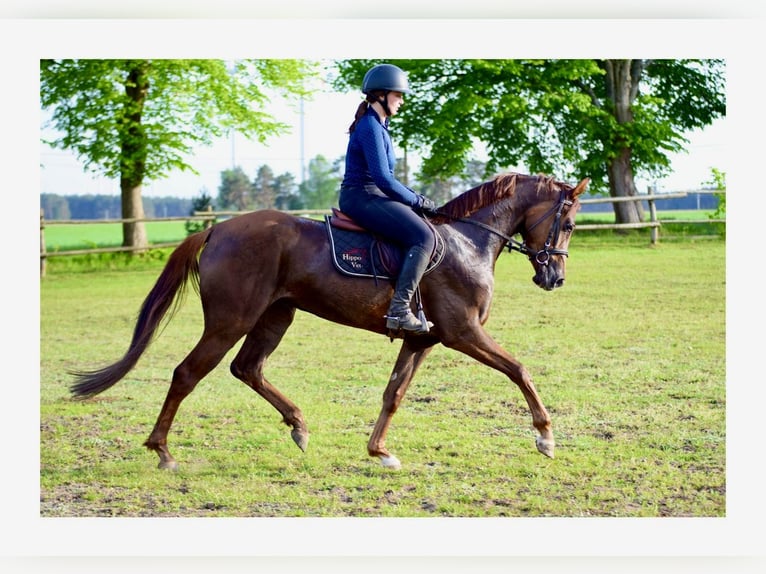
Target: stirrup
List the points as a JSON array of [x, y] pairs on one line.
[[408, 322]]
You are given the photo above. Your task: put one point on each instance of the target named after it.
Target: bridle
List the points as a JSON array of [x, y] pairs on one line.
[[543, 256]]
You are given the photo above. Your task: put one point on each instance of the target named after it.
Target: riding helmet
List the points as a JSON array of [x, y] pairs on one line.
[[385, 77]]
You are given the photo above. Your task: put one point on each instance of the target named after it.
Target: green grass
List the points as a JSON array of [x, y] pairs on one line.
[[629, 358], [608, 216], [92, 235]]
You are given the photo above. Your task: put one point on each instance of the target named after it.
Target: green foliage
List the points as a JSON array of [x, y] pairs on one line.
[[235, 190], [563, 117], [202, 202], [320, 190], [186, 103], [265, 191], [286, 192], [137, 120], [264, 194], [719, 182], [441, 190]]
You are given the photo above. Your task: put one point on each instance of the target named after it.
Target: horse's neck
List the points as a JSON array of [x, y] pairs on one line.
[[491, 225], [510, 212], [505, 216]]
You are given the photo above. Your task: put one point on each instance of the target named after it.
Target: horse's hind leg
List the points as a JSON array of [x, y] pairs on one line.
[[248, 366], [411, 355], [199, 362]]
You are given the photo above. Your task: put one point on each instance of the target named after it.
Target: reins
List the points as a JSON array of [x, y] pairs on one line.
[[543, 255]]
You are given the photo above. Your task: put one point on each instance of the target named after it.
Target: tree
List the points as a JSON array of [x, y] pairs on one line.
[[286, 192], [442, 190], [718, 182], [609, 120], [320, 190], [264, 194], [137, 120], [236, 190], [54, 206], [203, 202]]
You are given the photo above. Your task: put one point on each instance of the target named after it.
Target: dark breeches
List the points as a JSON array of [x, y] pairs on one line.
[[390, 219]]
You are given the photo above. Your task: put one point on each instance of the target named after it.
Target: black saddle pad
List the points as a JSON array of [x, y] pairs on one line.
[[361, 254]]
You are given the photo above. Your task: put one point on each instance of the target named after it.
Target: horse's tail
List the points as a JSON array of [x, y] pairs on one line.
[[182, 265]]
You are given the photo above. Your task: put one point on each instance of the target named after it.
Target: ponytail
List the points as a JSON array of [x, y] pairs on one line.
[[374, 96], [360, 111]]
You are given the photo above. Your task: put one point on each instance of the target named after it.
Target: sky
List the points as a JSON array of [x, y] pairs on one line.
[[322, 131]]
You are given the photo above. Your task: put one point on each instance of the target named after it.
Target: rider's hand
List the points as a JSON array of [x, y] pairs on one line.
[[426, 206]]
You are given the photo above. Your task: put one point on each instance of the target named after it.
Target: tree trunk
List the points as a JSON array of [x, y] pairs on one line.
[[621, 184], [133, 155], [622, 80], [133, 234]]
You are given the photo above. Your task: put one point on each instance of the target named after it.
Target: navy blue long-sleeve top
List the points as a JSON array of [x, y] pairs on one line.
[[370, 159]]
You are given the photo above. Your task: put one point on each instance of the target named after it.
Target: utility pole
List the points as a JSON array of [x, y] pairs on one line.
[[233, 155], [302, 143]]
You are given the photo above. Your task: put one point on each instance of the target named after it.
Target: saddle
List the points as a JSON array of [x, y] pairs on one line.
[[359, 253]]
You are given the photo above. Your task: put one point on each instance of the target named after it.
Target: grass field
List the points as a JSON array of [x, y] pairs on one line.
[[91, 235], [629, 358]]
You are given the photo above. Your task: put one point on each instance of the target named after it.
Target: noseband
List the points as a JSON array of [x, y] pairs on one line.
[[542, 257]]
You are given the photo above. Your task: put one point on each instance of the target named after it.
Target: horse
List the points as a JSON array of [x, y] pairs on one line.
[[253, 271]]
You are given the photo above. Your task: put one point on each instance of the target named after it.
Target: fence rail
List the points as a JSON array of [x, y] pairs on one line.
[[210, 216], [654, 222]]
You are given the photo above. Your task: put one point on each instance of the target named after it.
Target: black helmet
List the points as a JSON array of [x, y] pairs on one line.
[[385, 77]]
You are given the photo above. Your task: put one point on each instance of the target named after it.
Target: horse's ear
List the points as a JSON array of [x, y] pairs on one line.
[[580, 187]]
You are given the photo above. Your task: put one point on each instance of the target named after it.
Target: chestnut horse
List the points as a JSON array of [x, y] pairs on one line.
[[253, 271]]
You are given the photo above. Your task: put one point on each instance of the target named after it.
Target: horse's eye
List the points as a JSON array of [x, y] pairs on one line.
[[569, 227]]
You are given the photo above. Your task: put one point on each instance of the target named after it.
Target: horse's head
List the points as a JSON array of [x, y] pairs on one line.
[[547, 230]]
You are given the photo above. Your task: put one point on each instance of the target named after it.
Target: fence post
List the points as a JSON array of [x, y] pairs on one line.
[[655, 231], [43, 260], [209, 222]]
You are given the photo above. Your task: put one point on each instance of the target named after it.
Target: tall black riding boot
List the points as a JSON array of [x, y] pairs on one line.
[[399, 314]]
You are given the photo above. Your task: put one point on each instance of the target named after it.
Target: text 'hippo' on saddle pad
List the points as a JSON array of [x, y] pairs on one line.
[[360, 254]]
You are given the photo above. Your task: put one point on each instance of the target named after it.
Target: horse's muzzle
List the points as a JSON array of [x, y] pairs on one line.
[[548, 278]]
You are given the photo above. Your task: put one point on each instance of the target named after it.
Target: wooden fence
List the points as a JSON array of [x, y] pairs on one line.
[[210, 216], [654, 222]]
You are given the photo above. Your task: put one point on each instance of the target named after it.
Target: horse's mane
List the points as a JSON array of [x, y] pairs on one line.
[[490, 192]]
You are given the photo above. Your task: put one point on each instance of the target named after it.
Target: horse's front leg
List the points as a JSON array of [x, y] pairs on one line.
[[414, 350], [478, 344]]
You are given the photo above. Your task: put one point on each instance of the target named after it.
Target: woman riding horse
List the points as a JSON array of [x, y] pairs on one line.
[[374, 198]]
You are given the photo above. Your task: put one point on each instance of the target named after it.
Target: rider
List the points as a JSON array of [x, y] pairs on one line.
[[372, 196]]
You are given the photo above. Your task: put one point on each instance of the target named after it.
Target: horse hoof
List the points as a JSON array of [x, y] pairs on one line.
[[168, 465], [390, 461], [301, 438], [545, 446]]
